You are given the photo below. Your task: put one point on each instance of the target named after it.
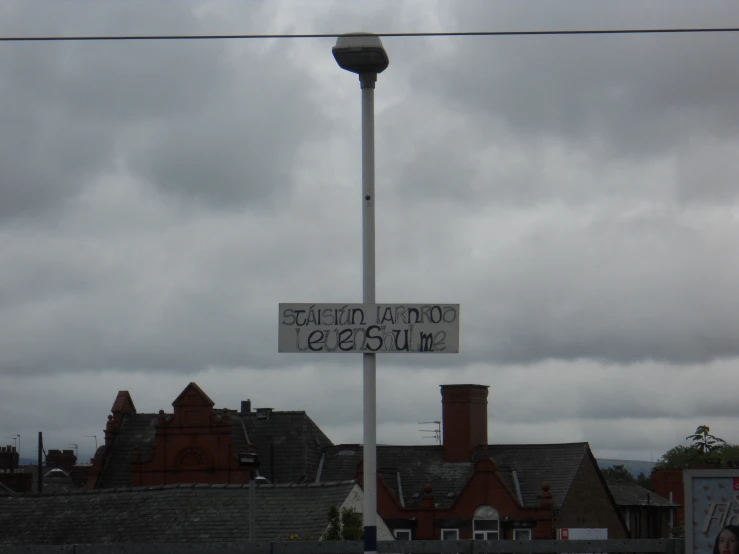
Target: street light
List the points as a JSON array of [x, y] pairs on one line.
[[363, 54]]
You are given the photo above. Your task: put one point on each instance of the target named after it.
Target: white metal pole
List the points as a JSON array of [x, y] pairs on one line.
[[252, 506], [369, 361]]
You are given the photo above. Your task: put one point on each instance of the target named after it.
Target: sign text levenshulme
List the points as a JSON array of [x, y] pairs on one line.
[[369, 328]]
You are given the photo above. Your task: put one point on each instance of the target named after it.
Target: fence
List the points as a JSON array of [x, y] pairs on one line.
[[651, 546]]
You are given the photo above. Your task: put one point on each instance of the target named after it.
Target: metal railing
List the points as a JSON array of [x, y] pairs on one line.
[[650, 546]]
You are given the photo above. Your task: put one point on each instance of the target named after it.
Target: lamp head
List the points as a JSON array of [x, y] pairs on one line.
[[360, 53]]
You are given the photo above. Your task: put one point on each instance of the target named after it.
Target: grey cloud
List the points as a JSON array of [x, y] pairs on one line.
[[182, 192], [597, 283], [201, 120], [605, 102]]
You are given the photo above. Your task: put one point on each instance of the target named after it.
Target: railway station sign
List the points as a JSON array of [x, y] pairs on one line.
[[369, 328]]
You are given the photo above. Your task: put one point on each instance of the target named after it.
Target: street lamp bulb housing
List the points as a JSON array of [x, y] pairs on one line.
[[360, 53]]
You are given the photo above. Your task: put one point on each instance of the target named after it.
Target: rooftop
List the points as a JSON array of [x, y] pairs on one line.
[[406, 469], [168, 514]]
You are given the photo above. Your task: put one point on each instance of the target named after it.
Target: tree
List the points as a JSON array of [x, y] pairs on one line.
[[704, 441], [644, 481], [344, 525], [353, 524], [706, 450], [618, 474], [334, 524]]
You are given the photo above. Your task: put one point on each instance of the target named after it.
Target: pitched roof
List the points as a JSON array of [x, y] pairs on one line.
[[406, 469], [557, 464], [136, 430], [631, 494], [193, 394], [289, 445], [123, 403], [169, 514]]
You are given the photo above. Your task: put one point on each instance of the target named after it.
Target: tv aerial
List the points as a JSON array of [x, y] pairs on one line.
[[436, 432]]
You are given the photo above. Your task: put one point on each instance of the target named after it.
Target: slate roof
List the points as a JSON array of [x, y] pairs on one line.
[[556, 464], [168, 514], [406, 469], [631, 494], [136, 429], [289, 445]]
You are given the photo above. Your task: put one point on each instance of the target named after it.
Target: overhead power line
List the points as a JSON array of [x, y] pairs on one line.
[[82, 38]]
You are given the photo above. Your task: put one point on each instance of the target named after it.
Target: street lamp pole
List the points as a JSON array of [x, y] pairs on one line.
[[363, 54], [369, 361]]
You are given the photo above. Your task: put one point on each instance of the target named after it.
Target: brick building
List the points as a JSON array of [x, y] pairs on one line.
[[198, 443], [464, 488], [669, 484], [467, 488]]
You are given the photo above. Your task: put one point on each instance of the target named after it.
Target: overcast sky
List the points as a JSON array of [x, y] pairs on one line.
[[576, 195]]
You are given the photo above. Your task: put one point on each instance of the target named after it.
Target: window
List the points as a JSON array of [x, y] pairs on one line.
[[485, 524], [403, 534], [450, 534], [522, 534]]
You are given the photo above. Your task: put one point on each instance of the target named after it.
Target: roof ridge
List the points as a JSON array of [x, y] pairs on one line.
[[272, 413], [153, 488]]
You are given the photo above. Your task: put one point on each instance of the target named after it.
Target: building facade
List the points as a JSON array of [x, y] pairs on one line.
[[464, 488]]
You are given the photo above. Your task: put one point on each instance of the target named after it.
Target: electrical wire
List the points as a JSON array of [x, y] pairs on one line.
[[82, 38]]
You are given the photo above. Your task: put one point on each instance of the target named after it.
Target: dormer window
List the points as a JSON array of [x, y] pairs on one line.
[[486, 524]]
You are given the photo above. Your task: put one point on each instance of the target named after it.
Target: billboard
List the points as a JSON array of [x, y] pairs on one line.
[[711, 503], [369, 328]]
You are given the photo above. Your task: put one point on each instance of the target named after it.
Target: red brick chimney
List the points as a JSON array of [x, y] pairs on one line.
[[464, 420]]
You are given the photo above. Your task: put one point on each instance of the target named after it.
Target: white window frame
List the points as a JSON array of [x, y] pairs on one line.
[[486, 513], [518, 532], [456, 534], [410, 535]]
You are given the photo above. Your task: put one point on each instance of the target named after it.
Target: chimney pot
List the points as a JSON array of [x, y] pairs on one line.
[[246, 406]]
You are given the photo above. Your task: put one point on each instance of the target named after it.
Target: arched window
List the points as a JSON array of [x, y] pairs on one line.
[[486, 524]]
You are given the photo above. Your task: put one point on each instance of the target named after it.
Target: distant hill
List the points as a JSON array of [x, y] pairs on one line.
[[634, 466]]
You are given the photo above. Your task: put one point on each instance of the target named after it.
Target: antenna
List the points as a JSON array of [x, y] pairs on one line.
[[436, 432], [96, 441], [76, 447]]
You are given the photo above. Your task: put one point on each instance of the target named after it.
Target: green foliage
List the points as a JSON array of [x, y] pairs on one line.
[[618, 474], [706, 450], [704, 441], [353, 525], [334, 524], [346, 525], [644, 481], [679, 457]]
